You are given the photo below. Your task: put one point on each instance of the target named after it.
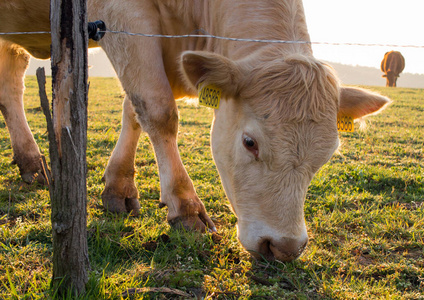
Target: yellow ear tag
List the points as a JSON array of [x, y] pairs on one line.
[[345, 123], [209, 96]]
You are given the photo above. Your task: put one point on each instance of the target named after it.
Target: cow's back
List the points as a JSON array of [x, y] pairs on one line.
[[393, 61]]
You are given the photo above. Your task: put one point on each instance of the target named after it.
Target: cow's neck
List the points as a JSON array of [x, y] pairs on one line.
[[271, 19], [276, 20]]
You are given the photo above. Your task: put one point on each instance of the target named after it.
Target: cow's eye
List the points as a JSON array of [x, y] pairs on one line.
[[251, 144]]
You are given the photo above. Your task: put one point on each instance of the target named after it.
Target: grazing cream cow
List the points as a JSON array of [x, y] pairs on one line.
[[274, 128], [392, 65]]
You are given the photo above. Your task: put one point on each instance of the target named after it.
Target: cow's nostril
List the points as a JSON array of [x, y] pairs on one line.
[[265, 250]]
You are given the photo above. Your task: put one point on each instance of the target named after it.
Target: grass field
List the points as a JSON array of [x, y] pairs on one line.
[[364, 212]]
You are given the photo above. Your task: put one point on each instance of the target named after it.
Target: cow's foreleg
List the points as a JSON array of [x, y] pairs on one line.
[[177, 191], [159, 118], [13, 64], [139, 65], [120, 193]]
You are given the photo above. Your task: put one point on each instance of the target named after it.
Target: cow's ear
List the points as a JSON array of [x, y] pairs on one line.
[[357, 103], [209, 68]]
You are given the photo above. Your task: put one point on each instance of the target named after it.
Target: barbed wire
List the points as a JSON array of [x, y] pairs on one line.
[[206, 35]]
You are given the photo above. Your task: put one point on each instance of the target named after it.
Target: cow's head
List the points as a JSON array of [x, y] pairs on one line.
[[273, 131], [391, 78]]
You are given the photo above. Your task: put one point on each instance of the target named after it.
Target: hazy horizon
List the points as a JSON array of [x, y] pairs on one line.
[[348, 74]]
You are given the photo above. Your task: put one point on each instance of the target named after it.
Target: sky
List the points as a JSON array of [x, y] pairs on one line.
[[394, 22]]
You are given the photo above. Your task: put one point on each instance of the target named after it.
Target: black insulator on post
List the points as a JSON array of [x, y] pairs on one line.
[[96, 30]]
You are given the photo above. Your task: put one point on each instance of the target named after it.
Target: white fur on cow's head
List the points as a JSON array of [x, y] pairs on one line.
[[273, 131]]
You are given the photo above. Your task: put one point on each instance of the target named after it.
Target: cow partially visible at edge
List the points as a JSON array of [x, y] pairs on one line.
[[392, 65], [274, 129]]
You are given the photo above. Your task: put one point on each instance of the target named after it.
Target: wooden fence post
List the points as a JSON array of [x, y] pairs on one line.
[[68, 140]]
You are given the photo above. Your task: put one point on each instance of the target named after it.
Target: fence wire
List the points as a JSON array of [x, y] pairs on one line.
[[211, 36]]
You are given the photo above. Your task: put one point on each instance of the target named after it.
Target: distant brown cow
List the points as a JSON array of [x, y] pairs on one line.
[[392, 65]]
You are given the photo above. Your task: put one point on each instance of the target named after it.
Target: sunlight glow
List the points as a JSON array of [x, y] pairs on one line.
[[365, 21]]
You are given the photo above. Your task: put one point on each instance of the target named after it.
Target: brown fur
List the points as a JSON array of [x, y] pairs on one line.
[[392, 65]]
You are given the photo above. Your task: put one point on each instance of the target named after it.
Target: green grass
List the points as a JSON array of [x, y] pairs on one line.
[[364, 211]]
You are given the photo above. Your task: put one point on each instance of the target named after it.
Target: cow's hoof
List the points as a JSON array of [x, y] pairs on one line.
[[36, 170], [31, 177], [116, 204], [193, 218]]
